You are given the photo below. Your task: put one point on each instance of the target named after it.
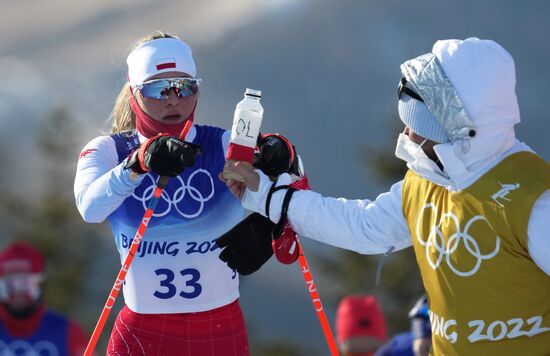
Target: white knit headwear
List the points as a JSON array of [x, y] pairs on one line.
[[159, 56], [416, 115]]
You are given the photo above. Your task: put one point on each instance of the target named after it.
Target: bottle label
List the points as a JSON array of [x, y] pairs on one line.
[[246, 127]]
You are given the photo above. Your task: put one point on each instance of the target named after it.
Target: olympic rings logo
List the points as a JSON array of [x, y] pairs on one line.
[[436, 241], [178, 195], [22, 347]]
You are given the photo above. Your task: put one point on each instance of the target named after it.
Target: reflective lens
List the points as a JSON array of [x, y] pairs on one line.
[[159, 88]]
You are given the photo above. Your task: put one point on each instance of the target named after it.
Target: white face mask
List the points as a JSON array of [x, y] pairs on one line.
[[408, 150], [416, 158]]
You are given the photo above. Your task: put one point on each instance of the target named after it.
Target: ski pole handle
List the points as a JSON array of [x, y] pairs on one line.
[[161, 184]]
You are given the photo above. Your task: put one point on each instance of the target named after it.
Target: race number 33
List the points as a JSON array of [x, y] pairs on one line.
[[168, 288]]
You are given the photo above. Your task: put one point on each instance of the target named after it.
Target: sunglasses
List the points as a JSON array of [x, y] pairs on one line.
[[401, 88], [160, 88]]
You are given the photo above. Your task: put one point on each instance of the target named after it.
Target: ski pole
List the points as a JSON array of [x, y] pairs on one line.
[[317, 305], [161, 184]]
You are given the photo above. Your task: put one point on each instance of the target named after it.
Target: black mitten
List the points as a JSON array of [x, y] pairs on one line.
[[247, 246]]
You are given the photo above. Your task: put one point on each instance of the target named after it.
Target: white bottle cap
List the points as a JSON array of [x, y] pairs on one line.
[[253, 92]]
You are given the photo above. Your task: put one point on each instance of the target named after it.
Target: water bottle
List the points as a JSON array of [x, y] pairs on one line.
[[245, 130]]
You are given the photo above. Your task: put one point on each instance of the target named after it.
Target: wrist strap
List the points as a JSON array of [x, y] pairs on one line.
[[272, 190], [278, 228]]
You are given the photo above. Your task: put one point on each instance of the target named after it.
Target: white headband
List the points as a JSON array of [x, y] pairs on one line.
[[159, 56]]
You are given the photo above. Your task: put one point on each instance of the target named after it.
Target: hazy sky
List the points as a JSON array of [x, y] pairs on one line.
[[328, 69]]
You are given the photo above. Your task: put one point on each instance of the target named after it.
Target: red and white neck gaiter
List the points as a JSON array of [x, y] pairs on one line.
[[149, 127]]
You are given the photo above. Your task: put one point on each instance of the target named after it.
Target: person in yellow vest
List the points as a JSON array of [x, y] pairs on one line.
[[474, 204]]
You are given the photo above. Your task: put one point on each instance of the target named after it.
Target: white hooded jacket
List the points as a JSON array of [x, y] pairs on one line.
[[483, 75]]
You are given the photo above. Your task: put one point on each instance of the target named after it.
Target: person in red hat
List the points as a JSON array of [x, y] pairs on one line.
[[27, 327], [360, 325]]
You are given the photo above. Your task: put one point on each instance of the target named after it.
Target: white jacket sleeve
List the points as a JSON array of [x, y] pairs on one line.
[[364, 226], [101, 183], [538, 242]]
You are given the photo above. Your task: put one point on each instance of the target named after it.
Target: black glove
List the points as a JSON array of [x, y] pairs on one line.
[[247, 246], [164, 155], [275, 155]]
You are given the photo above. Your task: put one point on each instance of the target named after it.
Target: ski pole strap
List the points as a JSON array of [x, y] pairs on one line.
[[278, 228], [272, 190]]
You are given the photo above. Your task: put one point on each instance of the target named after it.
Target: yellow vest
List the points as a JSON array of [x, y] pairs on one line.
[[485, 293]]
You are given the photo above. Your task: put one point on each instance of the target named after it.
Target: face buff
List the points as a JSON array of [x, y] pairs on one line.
[[149, 127]]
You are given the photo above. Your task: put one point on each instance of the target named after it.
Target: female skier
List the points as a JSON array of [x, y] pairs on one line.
[[180, 299]]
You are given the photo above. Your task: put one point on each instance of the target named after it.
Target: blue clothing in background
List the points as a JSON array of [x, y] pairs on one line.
[[399, 345]]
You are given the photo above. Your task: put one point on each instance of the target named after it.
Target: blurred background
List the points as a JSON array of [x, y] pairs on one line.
[[328, 71]]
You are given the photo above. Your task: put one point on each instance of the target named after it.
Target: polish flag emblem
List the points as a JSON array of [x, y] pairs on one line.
[[166, 63]]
